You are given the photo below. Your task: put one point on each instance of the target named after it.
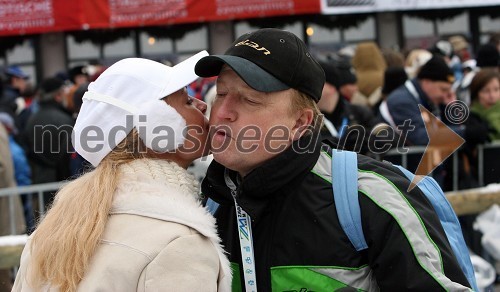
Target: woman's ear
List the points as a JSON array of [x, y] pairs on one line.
[[304, 119]]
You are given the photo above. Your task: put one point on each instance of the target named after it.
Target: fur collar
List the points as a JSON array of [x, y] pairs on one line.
[[163, 190]]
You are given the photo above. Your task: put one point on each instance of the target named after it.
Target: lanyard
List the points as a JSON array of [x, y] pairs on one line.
[[331, 128], [244, 224], [343, 127]]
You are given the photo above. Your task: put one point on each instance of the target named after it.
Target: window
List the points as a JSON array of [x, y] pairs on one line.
[[323, 41], [457, 25], [137, 43], [488, 25], [23, 55]]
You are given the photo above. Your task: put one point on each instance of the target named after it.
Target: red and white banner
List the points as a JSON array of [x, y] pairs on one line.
[[37, 16]]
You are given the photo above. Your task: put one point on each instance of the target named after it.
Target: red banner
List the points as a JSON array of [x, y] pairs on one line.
[[38, 16]]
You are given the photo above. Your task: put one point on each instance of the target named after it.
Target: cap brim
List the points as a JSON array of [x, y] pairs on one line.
[[183, 74], [253, 75]]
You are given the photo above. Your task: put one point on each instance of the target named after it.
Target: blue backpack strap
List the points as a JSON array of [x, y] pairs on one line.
[[345, 194], [449, 221]]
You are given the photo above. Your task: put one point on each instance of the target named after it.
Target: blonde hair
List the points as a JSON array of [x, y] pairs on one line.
[[65, 240], [302, 101]]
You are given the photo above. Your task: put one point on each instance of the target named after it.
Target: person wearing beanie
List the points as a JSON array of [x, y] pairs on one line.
[[340, 116], [270, 184], [135, 222], [431, 89], [345, 80], [369, 65], [488, 57]]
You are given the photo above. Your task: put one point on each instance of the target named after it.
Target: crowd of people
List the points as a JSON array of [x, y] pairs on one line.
[[347, 100]]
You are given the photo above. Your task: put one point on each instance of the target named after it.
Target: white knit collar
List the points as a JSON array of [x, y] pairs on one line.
[[162, 172]]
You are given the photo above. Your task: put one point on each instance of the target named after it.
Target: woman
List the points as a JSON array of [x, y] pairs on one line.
[[134, 223], [485, 96]]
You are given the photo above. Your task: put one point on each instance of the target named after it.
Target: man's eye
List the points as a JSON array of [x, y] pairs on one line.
[[251, 101], [190, 100]]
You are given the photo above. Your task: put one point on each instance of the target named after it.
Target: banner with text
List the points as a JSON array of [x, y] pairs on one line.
[[19, 17]]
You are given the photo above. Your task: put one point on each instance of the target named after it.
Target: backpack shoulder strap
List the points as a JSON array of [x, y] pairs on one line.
[[449, 221], [345, 194]]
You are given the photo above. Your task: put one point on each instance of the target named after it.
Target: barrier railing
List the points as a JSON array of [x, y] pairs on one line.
[[488, 162], [30, 191]]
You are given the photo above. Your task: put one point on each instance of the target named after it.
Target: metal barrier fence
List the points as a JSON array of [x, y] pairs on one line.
[[30, 191], [488, 162]]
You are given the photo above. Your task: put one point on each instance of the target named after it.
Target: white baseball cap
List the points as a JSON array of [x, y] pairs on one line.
[[125, 95]]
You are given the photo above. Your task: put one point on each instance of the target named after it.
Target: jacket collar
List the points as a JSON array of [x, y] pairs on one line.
[[278, 175], [163, 190]]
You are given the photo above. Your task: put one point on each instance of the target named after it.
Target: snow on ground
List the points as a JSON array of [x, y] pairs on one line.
[[11, 240]]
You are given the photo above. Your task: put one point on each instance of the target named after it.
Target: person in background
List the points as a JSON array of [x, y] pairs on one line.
[[369, 65], [22, 170], [394, 77], [444, 49], [488, 57], [9, 223], [78, 76], [460, 47], [271, 177], [416, 59], [461, 87], [342, 119], [393, 58], [485, 95], [47, 137], [430, 88], [135, 222], [345, 81], [14, 87]]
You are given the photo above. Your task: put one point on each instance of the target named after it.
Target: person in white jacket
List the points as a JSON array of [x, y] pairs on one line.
[[135, 222]]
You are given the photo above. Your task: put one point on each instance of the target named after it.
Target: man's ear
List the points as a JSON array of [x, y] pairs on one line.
[[303, 119]]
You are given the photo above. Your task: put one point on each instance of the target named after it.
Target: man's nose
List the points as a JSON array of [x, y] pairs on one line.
[[225, 108]]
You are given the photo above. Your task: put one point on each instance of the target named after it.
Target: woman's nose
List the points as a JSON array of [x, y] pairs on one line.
[[200, 105]]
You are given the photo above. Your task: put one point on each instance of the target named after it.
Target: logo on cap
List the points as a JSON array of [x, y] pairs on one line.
[[253, 45]]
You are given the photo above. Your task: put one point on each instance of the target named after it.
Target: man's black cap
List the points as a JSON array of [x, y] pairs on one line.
[[269, 60]]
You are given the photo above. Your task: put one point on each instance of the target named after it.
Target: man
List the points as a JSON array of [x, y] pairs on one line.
[[47, 136], [15, 86], [351, 124], [432, 88], [10, 207], [270, 171]]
